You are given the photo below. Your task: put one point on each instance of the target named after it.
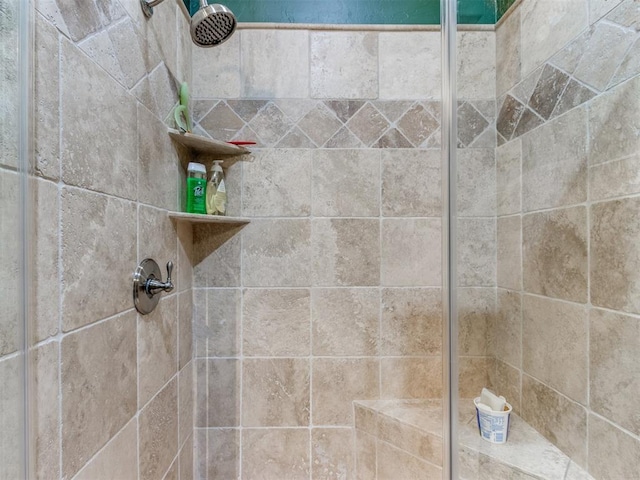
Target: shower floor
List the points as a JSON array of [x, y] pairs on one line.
[[402, 440]]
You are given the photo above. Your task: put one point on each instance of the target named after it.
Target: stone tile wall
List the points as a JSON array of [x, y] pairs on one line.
[[112, 388], [11, 359], [333, 292], [567, 200]]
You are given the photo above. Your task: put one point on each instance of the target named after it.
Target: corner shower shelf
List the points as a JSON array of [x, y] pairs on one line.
[[207, 145], [198, 218]]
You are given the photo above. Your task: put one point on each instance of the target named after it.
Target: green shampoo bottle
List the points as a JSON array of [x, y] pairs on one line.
[[196, 188]]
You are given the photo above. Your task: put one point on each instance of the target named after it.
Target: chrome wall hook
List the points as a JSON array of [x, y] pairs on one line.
[[148, 284]]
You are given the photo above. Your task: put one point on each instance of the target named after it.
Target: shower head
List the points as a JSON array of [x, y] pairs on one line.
[[212, 25]]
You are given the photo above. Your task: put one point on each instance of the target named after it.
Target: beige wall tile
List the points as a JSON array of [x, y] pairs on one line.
[[185, 403], [217, 322], [345, 321], [476, 62], [267, 67], [611, 140], [90, 243], [394, 463], [411, 377], [508, 177], [404, 243], [505, 380], [476, 186], [353, 73], [615, 255], [275, 393], [411, 183], [506, 330], [366, 456], [157, 348], [91, 159], [158, 433], [174, 471], [473, 375], [277, 253], [509, 259], [44, 299], [184, 266], [99, 376], [216, 71], [555, 345], [615, 179], [614, 368], [118, 460], [157, 164], [606, 48], [508, 50], [554, 162], [186, 460], [599, 8], [276, 322], [45, 415], [476, 312], [10, 256], [218, 393], [332, 453], [11, 423], [185, 328], [337, 382], [157, 239], [223, 453], [555, 253], [612, 452], [346, 183], [346, 252], [476, 252], [417, 56], [216, 256], [277, 183], [281, 453], [46, 99], [411, 321], [556, 417], [548, 25]]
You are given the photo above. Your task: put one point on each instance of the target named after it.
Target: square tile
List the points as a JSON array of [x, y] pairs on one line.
[[275, 393], [276, 323], [345, 321], [411, 321], [337, 382]]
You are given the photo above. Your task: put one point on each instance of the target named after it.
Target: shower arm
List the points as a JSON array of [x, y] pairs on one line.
[[147, 6]]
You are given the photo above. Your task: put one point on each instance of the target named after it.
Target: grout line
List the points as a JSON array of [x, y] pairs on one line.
[[60, 255]]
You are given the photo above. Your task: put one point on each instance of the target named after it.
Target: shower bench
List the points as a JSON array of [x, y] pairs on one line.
[[402, 439]]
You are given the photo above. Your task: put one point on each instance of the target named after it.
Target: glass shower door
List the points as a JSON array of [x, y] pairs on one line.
[[12, 180], [546, 249]]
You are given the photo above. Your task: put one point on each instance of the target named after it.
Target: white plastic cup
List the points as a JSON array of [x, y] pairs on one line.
[[493, 426]]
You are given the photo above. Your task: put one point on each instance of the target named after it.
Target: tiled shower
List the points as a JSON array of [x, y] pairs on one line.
[[291, 343]]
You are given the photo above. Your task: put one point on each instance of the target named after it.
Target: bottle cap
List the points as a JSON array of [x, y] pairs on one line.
[[216, 166], [196, 167]]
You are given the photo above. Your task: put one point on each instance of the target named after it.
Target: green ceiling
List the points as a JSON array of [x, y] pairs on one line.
[[368, 12]]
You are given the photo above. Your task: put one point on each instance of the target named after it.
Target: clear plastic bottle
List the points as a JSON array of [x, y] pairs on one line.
[[196, 188], [216, 191]]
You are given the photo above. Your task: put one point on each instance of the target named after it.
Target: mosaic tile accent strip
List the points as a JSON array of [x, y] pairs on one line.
[[598, 60], [342, 123]]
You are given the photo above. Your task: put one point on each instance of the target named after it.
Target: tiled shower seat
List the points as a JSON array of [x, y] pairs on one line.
[[402, 440]]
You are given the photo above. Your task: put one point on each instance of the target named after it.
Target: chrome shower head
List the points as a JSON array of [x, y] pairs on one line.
[[212, 25]]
